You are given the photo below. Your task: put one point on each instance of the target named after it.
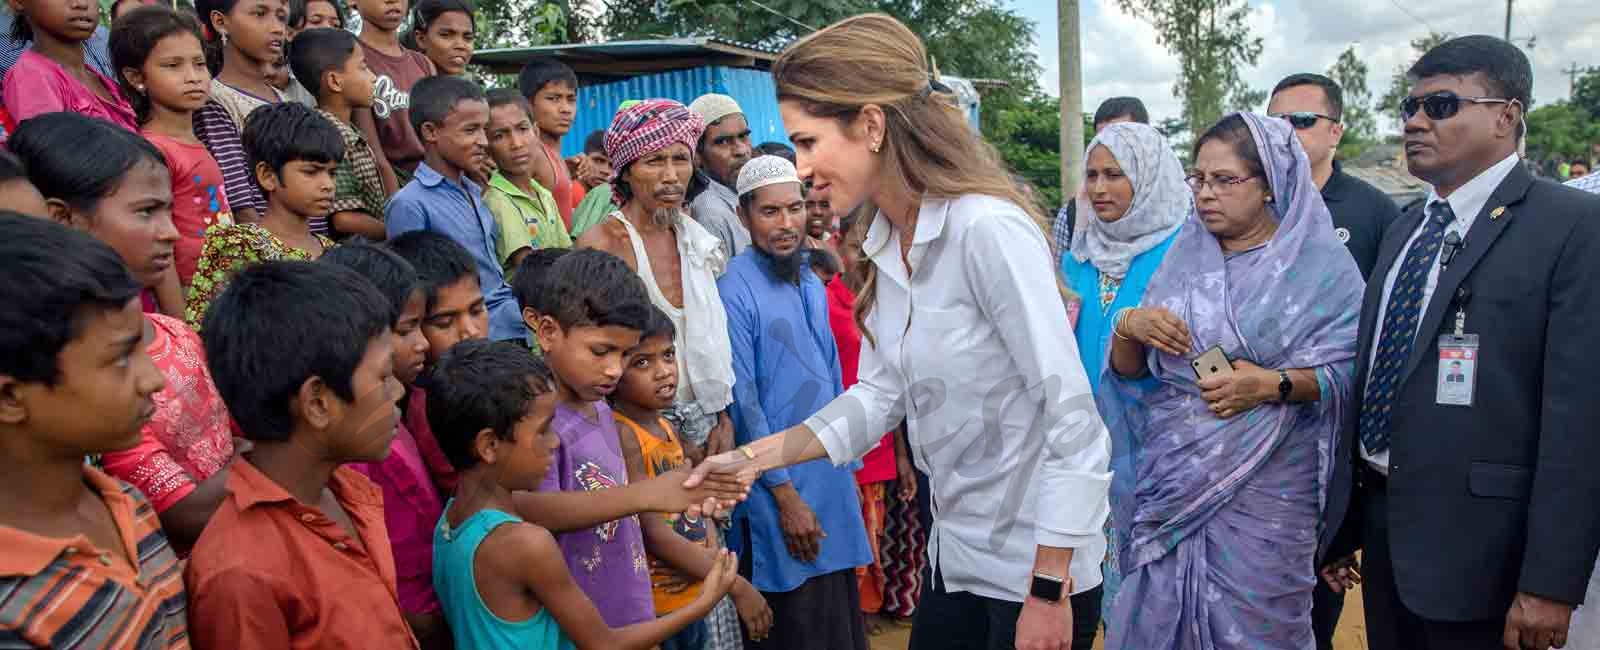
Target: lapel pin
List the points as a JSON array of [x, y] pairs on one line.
[[1495, 214]]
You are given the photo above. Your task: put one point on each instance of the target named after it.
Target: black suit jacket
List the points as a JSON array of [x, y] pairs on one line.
[[1503, 496]]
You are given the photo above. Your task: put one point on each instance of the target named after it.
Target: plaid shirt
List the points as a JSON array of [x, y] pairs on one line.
[[357, 186]]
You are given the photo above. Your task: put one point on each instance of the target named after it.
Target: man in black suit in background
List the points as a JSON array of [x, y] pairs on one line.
[[1478, 521]]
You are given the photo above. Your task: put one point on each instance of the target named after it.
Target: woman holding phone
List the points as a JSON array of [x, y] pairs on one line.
[[1230, 456]]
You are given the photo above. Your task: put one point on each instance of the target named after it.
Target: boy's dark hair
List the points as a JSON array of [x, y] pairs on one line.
[[79, 159], [394, 277], [1119, 107], [659, 325], [53, 280], [508, 97], [11, 168], [281, 323], [778, 149], [595, 143], [542, 71], [530, 283], [278, 134], [479, 385], [1236, 132], [438, 260], [1332, 94], [135, 35], [433, 98], [297, 14], [316, 52], [823, 262], [427, 11], [592, 288], [1503, 65]]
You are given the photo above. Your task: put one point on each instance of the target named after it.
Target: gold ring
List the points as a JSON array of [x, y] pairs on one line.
[[748, 453]]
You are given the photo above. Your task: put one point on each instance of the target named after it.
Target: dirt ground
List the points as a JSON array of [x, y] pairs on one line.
[[1350, 636]]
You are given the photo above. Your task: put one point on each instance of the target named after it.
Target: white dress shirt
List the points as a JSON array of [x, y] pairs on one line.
[[977, 340], [1467, 201]]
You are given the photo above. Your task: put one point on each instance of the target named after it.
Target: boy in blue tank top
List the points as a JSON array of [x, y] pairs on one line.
[[504, 582]]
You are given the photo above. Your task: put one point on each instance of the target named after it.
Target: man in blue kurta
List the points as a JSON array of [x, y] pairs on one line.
[[800, 535]]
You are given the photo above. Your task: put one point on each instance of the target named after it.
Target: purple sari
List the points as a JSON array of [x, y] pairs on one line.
[[1222, 520]]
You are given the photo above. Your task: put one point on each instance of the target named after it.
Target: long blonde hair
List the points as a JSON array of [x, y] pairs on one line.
[[930, 149]]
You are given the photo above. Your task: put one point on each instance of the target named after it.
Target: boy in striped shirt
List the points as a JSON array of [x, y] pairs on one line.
[[86, 564]]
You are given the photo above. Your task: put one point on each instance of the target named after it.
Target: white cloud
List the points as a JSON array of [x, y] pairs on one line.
[[1121, 57]]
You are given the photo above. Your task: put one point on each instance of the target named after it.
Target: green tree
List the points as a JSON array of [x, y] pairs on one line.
[[1587, 93], [1211, 40], [1562, 129], [1399, 84], [520, 23], [1360, 126]]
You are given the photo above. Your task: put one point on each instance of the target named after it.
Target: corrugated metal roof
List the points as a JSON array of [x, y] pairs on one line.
[[753, 89], [631, 58]]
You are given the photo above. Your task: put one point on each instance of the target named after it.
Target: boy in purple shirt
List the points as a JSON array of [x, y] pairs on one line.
[[592, 314]]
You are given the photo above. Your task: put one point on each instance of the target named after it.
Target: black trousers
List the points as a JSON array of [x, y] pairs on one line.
[[1390, 624], [1326, 607], [965, 621]]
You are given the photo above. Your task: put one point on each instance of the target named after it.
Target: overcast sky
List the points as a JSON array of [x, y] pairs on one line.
[[1121, 57]]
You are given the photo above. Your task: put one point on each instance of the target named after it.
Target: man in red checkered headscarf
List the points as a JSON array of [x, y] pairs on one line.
[[651, 146]]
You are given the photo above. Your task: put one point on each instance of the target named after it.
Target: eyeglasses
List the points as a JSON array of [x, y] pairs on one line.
[[1442, 105], [1302, 120], [1219, 183]]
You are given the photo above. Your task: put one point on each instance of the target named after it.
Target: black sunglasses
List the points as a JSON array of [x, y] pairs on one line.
[[1442, 105], [1302, 120]]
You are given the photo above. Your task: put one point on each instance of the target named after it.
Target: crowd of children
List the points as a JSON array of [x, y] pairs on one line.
[[270, 294]]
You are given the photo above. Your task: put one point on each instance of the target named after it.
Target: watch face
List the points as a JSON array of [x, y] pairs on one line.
[[1048, 589]]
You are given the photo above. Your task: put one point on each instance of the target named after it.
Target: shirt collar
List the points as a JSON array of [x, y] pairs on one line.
[[1468, 200], [431, 178], [500, 182], [250, 488], [931, 217], [28, 554], [1333, 189]]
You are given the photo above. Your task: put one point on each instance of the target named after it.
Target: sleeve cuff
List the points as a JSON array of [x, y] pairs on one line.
[[834, 435], [1078, 511], [774, 478]]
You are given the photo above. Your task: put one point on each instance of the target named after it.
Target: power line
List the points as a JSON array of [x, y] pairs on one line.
[[1413, 16], [782, 15]]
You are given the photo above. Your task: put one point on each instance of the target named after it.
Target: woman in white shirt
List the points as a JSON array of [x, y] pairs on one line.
[[963, 320]]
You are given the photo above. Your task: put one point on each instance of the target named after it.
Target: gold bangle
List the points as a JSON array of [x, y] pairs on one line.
[[1117, 321]]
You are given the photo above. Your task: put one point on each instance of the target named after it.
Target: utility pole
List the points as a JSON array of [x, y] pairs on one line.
[[1572, 78], [1071, 97], [1508, 19]]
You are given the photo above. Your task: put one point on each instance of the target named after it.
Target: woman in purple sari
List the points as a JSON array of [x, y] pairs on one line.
[[1222, 523]]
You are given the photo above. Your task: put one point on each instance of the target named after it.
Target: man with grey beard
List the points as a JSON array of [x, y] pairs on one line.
[[651, 145]]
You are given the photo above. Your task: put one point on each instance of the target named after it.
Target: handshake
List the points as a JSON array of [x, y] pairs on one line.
[[710, 489]]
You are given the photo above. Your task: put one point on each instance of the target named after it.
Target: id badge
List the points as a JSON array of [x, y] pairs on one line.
[[1458, 369]]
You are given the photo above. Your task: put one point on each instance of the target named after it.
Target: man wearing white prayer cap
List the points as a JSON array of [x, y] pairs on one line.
[[721, 153], [800, 534]]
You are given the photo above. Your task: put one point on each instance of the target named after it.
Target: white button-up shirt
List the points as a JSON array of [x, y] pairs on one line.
[[1467, 201], [997, 404]]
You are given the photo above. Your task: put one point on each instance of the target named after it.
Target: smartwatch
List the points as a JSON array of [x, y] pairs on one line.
[[1049, 588], [1284, 385]]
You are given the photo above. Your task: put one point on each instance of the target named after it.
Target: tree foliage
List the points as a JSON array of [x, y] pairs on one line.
[[1586, 94], [1399, 84], [1561, 130], [1360, 126], [1212, 40], [520, 23]]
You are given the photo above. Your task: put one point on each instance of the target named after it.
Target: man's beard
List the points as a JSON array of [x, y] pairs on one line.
[[786, 267], [664, 217]]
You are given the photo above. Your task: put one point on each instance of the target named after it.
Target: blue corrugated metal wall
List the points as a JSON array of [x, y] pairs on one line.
[[753, 90]]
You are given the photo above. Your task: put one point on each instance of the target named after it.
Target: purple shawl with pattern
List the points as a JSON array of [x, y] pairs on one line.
[[1219, 521]]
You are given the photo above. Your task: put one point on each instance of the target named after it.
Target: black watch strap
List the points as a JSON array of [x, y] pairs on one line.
[[1284, 385]]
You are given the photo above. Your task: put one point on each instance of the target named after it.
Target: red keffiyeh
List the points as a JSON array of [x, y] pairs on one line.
[[645, 128]]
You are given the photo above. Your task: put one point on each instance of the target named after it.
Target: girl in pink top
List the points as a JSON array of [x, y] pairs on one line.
[[51, 75], [163, 72]]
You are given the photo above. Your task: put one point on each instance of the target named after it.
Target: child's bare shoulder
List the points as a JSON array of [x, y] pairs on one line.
[[519, 544]]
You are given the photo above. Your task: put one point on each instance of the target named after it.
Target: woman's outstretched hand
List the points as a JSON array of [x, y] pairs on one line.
[[734, 465]]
